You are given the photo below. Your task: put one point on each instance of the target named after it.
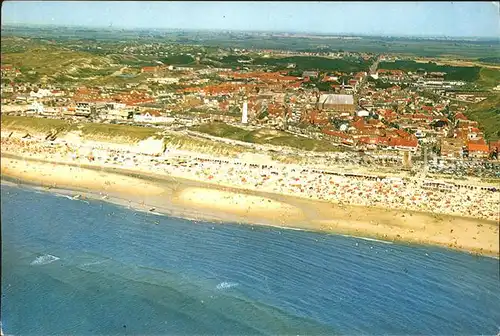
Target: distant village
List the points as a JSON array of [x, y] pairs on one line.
[[381, 109]]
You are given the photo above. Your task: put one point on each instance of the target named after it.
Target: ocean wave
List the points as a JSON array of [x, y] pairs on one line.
[[286, 227], [156, 213], [226, 285], [369, 239], [72, 198], [44, 260], [376, 240], [65, 196], [92, 263]]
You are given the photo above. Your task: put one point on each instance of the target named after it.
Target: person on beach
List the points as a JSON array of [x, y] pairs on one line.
[[355, 189]]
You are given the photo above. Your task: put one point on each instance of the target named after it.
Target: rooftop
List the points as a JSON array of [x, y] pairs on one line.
[[336, 99]]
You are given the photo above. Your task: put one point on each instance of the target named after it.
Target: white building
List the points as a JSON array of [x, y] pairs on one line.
[[12, 108], [152, 117], [41, 93], [163, 80], [119, 114], [87, 109], [36, 108], [244, 114]]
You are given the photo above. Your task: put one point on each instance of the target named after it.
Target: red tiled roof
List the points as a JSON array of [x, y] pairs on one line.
[[154, 113], [477, 141], [402, 133], [494, 144], [288, 78], [474, 147], [420, 116], [403, 142], [149, 69], [383, 141], [368, 140], [335, 133]]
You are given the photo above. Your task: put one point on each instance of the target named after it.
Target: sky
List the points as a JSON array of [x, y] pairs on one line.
[[451, 19]]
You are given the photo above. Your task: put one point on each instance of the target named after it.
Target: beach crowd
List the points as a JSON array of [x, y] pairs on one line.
[[295, 180]]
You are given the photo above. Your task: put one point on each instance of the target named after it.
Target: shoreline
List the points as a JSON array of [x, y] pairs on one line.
[[202, 201], [156, 177]]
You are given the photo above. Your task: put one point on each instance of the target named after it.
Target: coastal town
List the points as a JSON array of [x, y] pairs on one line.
[[389, 137], [360, 111], [247, 168]]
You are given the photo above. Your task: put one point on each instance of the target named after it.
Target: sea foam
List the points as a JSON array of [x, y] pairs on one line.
[[226, 285], [376, 240], [93, 263], [44, 260], [65, 196], [369, 239]]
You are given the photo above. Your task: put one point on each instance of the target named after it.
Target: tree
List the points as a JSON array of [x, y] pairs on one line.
[[393, 125]]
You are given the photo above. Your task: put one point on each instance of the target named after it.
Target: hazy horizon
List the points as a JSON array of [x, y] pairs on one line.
[[222, 30], [395, 19]]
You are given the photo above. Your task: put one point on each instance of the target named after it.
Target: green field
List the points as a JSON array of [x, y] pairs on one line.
[[319, 63], [482, 48], [178, 60], [264, 136], [491, 60], [469, 74], [301, 63]]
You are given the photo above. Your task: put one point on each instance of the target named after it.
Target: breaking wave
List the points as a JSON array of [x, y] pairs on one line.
[[376, 240], [65, 196], [93, 263], [369, 239], [44, 260], [226, 285]]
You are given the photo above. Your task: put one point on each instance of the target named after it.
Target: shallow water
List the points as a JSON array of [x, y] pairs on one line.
[[70, 267]]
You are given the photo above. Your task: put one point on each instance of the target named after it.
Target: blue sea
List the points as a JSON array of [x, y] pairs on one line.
[[72, 267]]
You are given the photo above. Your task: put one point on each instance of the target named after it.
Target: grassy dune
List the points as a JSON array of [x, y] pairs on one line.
[[116, 134], [489, 78], [185, 142], [53, 60], [35, 125], [88, 130], [264, 136], [487, 114]]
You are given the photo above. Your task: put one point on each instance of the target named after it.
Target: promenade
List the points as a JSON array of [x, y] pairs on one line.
[[286, 179]]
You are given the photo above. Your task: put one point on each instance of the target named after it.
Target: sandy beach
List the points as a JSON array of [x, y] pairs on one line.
[[204, 201], [249, 206]]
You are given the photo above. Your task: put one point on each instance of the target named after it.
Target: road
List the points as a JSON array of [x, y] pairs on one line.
[[371, 71], [374, 66]]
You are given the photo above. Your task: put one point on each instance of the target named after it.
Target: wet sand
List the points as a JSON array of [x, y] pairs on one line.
[[204, 201]]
